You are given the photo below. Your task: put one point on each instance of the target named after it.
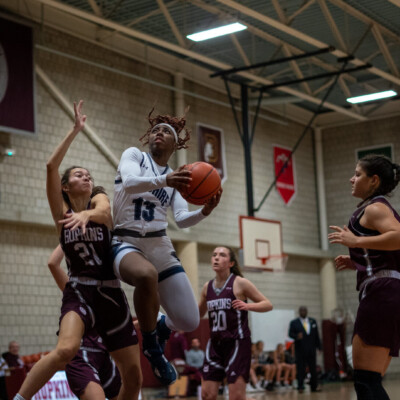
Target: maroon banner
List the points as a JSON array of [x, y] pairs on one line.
[[286, 183], [212, 148], [17, 111]]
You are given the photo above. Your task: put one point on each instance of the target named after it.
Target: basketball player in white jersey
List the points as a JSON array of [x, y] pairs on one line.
[[145, 186]]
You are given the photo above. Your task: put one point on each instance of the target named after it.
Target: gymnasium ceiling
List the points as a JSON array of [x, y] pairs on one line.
[[367, 30]]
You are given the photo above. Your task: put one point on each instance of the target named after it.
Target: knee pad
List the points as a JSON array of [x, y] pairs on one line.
[[368, 385]]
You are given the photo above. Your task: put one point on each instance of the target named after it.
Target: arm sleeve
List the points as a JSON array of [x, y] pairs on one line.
[[183, 217], [129, 168]]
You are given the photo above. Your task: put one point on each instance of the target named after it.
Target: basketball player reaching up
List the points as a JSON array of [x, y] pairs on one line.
[[228, 352], [145, 186], [373, 239], [92, 297], [91, 374]]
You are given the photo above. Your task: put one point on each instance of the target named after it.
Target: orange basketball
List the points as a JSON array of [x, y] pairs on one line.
[[205, 183]]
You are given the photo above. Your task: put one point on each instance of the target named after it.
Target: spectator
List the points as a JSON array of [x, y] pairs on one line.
[[254, 385], [282, 369], [266, 366], [304, 331], [178, 345], [290, 360], [12, 357], [195, 356]]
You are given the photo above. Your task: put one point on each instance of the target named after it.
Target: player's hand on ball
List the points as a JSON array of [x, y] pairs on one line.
[[212, 203], [179, 179]]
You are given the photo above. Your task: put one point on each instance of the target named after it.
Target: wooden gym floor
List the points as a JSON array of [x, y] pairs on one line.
[[330, 391]]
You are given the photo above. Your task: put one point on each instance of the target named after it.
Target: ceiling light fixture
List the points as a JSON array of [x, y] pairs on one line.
[[372, 96], [215, 32]]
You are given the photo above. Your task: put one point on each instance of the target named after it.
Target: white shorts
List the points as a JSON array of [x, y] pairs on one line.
[[158, 250]]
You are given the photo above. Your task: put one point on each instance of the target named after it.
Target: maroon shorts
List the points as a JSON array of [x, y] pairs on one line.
[[227, 358], [102, 308], [378, 315], [93, 366]]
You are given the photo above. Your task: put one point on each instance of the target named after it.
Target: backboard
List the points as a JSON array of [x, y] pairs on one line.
[[261, 244]]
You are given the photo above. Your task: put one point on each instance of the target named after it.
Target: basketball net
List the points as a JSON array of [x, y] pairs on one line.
[[274, 263]]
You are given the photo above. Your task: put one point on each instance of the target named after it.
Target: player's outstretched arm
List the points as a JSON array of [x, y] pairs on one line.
[[376, 217], [99, 212], [53, 181], [54, 264]]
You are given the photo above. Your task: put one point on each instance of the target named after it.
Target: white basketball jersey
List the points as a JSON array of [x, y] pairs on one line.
[[142, 212]]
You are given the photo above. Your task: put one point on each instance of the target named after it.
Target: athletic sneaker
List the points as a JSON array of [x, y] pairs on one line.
[[164, 371], [163, 332], [162, 368]]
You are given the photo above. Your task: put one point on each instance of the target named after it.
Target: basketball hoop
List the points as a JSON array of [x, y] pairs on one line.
[[275, 263], [263, 260]]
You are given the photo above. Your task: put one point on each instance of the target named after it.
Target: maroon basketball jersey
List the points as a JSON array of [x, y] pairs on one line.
[[88, 254], [225, 322], [369, 261]]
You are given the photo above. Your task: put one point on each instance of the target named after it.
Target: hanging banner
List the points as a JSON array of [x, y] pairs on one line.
[[212, 148], [17, 105], [286, 183]]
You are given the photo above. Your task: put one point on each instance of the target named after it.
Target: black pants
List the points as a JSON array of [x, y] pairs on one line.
[[3, 391], [302, 361]]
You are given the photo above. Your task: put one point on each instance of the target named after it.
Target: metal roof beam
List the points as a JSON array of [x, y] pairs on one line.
[[188, 53], [171, 23], [240, 50], [95, 7], [346, 91], [384, 49], [269, 38], [332, 25], [364, 18], [286, 50], [304, 37], [323, 87], [300, 10]]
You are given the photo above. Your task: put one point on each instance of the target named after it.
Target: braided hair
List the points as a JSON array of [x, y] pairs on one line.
[[178, 123]]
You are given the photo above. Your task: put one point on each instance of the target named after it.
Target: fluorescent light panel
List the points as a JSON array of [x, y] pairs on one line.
[[372, 96], [215, 32]]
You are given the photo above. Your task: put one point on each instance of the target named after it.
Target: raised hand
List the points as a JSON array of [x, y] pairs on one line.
[[343, 262], [79, 118], [212, 203], [343, 236]]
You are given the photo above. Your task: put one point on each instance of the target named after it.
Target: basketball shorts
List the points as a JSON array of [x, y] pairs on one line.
[[227, 358], [158, 250], [93, 366], [103, 308], [378, 316]]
